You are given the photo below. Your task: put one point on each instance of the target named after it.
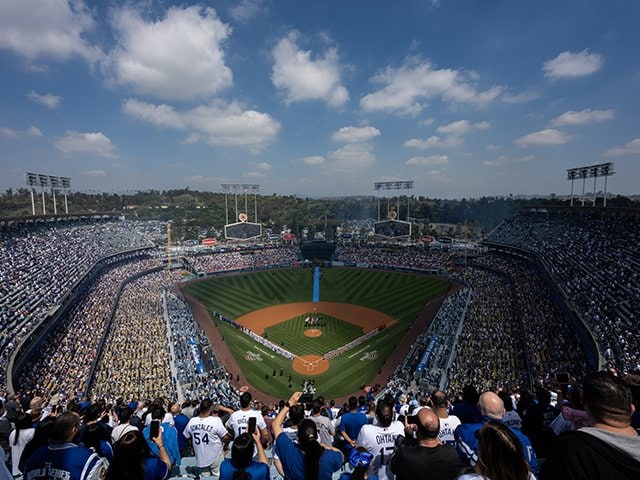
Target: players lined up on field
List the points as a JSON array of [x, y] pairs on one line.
[[495, 435]]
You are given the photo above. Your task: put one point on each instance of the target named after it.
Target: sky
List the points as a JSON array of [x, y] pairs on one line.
[[321, 98]]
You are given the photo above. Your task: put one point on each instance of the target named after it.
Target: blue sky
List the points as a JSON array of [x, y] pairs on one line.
[[320, 98]]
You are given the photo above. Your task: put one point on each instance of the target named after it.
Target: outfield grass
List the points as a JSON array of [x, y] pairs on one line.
[[401, 296]]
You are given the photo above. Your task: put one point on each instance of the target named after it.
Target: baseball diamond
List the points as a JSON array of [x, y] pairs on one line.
[[360, 311]]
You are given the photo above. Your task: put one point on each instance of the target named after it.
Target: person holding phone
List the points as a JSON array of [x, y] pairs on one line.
[[241, 465], [238, 422]]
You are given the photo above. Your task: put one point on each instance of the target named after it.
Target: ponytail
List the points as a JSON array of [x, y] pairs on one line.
[[308, 443]]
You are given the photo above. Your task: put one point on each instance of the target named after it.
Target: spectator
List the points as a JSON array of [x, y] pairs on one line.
[[239, 420], [123, 426], [241, 465], [610, 447], [208, 437], [18, 439], [307, 460], [492, 408], [379, 439], [133, 460], [448, 423], [63, 458], [500, 455], [429, 455], [350, 425]]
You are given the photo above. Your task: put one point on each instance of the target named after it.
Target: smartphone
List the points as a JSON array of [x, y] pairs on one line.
[[154, 429], [413, 419], [252, 425], [562, 378]]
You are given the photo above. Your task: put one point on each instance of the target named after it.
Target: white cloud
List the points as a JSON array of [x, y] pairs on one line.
[[254, 174], [247, 10], [218, 123], [178, 57], [573, 65], [9, 133], [583, 117], [48, 100], [493, 147], [430, 161], [433, 142], [631, 148], [520, 97], [353, 157], [504, 160], [299, 77], [549, 136], [264, 166], [34, 132], [355, 134], [94, 173], [462, 127], [314, 160], [426, 122], [90, 142], [405, 88], [36, 29]]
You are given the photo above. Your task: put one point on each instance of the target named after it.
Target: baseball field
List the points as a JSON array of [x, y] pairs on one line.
[[372, 309]]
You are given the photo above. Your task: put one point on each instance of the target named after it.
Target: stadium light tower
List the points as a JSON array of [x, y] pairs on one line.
[[241, 188], [591, 171], [399, 185]]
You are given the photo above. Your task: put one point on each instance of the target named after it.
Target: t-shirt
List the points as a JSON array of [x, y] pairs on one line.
[[238, 422], [380, 443], [352, 423], [206, 435], [65, 460], [325, 429], [413, 463], [257, 470], [24, 437], [447, 427], [293, 460], [155, 469]]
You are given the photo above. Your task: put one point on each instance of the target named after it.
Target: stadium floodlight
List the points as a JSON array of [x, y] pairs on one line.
[[591, 171], [54, 182], [397, 185], [236, 188]]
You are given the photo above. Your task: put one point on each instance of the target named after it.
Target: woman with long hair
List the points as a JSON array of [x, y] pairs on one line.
[[241, 465], [500, 455], [309, 459], [18, 439], [133, 459]]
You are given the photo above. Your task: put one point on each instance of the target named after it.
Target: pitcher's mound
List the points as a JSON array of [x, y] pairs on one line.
[[310, 365], [312, 332]]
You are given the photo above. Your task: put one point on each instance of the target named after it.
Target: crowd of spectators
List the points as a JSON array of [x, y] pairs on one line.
[[135, 358], [65, 358], [418, 258], [595, 261], [212, 379], [254, 258], [553, 345], [40, 263]]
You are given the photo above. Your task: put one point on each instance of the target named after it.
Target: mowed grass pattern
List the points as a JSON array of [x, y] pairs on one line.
[[235, 295], [335, 333], [401, 296]]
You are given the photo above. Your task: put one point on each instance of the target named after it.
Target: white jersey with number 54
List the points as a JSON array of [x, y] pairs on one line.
[[206, 435]]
